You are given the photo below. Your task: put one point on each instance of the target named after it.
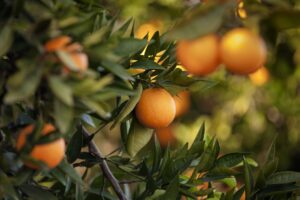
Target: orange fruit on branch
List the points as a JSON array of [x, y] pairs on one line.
[[50, 153], [260, 77], [156, 108], [199, 56], [165, 136], [57, 43], [182, 102], [242, 51]]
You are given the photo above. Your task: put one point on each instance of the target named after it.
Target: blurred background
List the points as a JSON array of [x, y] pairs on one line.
[[245, 113]]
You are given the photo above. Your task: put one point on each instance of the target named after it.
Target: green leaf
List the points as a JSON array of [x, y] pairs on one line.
[[284, 177], [271, 155], [91, 86], [65, 167], [146, 64], [200, 21], [63, 115], [74, 146], [24, 83], [129, 106], [138, 137], [198, 140], [129, 46], [230, 160], [209, 156], [249, 182], [79, 192], [172, 190], [6, 35], [97, 107], [277, 189], [117, 69], [37, 193], [61, 90]]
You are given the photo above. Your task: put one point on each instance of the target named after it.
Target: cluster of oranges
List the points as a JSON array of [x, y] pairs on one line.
[[74, 50], [52, 153], [240, 50]]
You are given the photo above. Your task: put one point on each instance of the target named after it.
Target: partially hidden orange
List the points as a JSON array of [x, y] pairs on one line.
[[50, 153], [182, 102], [165, 136]]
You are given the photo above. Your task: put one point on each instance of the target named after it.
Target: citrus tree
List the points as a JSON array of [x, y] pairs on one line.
[[70, 69]]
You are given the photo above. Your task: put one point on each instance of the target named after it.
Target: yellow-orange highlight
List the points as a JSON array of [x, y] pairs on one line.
[[260, 77], [242, 51], [156, 108], [50, 153], [182, 102], [165, 136], [199, 56], [57, 43]]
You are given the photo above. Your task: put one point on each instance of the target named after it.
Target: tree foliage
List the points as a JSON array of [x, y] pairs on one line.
[[38, 87]]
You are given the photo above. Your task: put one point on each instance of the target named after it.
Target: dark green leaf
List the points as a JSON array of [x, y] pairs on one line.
[[6, 35], [284, 177], [74, 146], [37, 193], [138, 137], [146, 64]]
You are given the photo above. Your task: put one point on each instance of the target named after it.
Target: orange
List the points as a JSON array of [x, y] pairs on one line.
[[199, 56], [243, 197], [242, 51], [148, 28], [165, 136], [260, 77], [57, 43], [81, 60], [50, 153], [156, 108], [182, 102]]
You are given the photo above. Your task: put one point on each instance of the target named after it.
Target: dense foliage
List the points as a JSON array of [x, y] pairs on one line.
[[40, 86]]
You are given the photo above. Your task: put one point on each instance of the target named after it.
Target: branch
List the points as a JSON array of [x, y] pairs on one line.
[[104, 166]]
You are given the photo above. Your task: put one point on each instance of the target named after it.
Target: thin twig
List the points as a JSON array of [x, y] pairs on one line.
[[104, 166]]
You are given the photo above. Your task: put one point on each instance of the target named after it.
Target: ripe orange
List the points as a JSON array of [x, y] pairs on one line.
[[156, 108], [57, 43], [165, 136], [243, 197], [199, 56], [148, 28], [50, 153], [81, 60], [182, 102], [242, 51], [260, 77]]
